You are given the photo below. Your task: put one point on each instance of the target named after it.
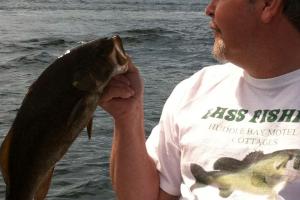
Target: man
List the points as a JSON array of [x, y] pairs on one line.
[[226, 132]]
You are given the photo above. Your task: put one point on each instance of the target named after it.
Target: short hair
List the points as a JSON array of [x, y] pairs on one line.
[[291, 9]]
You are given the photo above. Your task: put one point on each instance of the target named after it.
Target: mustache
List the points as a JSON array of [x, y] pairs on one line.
[[214, 27]]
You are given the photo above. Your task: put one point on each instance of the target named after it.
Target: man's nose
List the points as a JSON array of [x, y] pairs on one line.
[[210, 9]]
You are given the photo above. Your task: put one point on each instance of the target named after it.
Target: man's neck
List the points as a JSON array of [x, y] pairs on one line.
[[278, 54]]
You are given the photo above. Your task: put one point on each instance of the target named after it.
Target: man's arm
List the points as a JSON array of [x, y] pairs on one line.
[[133, 172]]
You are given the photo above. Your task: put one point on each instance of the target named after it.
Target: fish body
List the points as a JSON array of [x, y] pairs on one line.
[[257, 173], [57, 107]]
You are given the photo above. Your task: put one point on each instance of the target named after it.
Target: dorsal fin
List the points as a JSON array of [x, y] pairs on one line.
[[253, 157], [229, 164]]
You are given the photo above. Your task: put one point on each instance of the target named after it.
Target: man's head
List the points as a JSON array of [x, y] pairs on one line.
[[234, 25], [240, 26]]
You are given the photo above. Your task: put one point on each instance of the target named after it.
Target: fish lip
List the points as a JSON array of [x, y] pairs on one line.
[[120, 69], [118, 56]]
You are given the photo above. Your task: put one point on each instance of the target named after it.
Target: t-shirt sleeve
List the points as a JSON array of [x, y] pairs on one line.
[[162, 145], [167, 159]]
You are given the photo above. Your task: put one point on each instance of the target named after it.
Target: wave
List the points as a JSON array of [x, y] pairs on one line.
[[95, 5], [136, 36], [36, 44], [35, 51], [30, 60], [47, 42], [149, 31]]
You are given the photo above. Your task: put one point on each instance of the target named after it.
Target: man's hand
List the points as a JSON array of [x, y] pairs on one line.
[[123, 96], [133, 172]]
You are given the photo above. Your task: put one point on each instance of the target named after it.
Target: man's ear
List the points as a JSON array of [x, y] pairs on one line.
[[270, 9]]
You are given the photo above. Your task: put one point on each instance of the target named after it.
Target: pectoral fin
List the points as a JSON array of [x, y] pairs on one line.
[[82, 115], [44, 186], [84, 81], [258, 180], [89, 128], [4, 155], [225, 193], [229, 164]]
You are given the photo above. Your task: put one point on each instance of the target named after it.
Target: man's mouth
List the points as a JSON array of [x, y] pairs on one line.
[[214, 27]]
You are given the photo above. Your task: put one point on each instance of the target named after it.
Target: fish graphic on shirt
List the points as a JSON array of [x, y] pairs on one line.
[[257, 173]]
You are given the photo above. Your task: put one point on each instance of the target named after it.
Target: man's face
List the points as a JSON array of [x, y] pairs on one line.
[[234, 24]]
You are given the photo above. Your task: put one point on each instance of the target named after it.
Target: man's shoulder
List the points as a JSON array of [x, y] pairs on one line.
[[218, 71], [211, 75], [202, 81]]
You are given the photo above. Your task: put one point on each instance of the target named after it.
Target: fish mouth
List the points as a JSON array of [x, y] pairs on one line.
[[118, 56]]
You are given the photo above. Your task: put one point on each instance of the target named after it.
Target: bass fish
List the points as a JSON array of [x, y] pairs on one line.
[[57, 107], [257, 173]]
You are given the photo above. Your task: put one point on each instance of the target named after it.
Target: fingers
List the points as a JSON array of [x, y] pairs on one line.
[[123, 96], [123, 86], [118, 87], [116, 92], [120, 79]]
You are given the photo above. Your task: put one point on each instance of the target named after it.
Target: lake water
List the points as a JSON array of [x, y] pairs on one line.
[[167, 39]]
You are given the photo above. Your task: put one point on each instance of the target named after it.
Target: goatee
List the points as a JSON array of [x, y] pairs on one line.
[[219, 49]]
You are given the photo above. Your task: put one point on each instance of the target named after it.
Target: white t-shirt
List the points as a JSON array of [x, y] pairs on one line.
[[225, 135]]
